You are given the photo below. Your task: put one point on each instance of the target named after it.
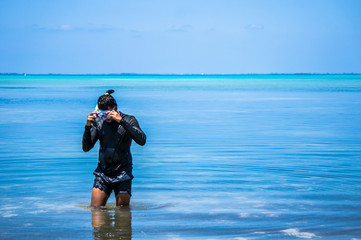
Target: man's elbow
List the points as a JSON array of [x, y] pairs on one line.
[[142, 141], [85, 148]]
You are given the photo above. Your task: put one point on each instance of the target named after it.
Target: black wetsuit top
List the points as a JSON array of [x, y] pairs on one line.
[[115, 159]]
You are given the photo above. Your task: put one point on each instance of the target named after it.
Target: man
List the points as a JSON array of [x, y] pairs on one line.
[[115, 131]]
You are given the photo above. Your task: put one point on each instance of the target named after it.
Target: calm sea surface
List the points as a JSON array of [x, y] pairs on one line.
[[227, 157]]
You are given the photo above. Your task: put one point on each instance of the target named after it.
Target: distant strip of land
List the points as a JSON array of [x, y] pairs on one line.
[[175, 74]]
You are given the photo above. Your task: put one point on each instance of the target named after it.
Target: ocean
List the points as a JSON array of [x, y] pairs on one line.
[[227, 157]]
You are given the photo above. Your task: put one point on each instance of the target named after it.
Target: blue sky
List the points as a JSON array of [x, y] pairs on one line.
[[171, 36]]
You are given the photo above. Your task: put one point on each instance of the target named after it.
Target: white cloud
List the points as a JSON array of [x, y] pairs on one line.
[[254, 26], [183, 28], [63, 27], [100, 28], [69, 27], [66, 27]]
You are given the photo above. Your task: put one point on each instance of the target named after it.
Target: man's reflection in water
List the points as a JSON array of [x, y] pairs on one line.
[[112, 223]]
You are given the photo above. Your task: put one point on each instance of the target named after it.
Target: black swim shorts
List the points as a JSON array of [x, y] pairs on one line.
[[119, 187]]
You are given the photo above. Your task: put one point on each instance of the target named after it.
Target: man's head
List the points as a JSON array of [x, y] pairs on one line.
[[106, 101]]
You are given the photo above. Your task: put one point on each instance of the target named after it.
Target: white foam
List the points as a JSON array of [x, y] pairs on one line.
[[8, 214], [32, 198], [243, 215], [240, 238], [174, 237], [54, 207], [36, 212], [9, 207], [296, 233], [273, 215]]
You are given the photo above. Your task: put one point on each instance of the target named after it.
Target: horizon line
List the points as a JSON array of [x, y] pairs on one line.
[[172, 74]]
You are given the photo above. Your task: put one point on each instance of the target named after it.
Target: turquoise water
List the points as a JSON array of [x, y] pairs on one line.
[[227, 157]]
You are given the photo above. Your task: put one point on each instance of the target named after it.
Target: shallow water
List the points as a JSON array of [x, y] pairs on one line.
[[227, 157]]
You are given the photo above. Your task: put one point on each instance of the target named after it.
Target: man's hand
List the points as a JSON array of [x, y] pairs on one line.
[[91, 118], [115, 115]]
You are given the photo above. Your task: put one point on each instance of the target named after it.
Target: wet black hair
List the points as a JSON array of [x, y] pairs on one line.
[[106, 101]]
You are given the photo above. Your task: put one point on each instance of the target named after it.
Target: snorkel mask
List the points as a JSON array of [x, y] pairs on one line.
[[102, 114]]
